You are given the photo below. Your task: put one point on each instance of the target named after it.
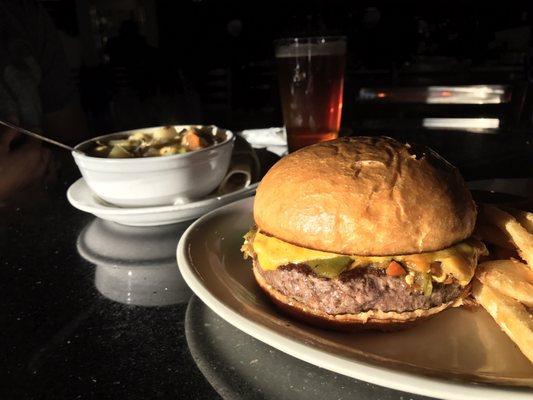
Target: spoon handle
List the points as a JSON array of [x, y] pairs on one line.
[[36, 135]]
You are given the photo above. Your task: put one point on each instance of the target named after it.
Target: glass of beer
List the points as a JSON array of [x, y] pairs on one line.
[[311, 78]]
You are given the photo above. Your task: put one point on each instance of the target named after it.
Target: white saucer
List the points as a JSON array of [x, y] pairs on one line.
[[81, 197]]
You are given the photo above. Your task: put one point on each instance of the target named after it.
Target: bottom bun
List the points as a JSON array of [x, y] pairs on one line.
[[372, 319]]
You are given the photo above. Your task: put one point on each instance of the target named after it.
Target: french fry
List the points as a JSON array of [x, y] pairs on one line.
[[509, 277], [512, 317], [519, 235], [523, 217], [505, 287]]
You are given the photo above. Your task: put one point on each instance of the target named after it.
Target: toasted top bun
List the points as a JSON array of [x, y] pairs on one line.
[[365, 196]]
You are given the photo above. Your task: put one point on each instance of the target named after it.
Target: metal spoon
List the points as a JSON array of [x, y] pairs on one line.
[[37, 136]]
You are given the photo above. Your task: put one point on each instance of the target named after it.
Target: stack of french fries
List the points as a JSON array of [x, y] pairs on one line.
[[504, 287]]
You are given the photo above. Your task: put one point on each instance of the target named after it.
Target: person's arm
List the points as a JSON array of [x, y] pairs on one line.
[[20, 166]]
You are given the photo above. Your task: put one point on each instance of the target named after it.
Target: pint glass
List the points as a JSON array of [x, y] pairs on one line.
[[311, 78]]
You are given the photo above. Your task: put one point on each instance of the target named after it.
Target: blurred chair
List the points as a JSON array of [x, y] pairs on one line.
[[126, 109], [261, 85], [256, 99], [122, 83], [187, 98], [74, 76], [216, 96]]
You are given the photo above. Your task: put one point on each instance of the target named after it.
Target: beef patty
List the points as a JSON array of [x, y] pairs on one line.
[[358, 290]]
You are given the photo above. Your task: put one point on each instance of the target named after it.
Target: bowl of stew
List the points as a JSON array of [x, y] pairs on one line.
[[155, 166]]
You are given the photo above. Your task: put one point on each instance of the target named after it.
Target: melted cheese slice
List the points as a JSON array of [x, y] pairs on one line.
[[458, 261]]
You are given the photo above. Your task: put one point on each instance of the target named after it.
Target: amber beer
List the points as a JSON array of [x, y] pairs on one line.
[[311, 78]]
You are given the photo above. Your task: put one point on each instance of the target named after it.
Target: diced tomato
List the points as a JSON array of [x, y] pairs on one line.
[[191, 140], [395, 269]]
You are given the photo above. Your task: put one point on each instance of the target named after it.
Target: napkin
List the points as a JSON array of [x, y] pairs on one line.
[[273, 139]]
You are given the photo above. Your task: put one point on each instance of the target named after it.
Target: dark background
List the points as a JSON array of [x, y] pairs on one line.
[[143, 63], [140, 63]]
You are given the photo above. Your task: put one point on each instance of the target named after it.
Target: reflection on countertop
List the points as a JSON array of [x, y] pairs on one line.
[[61, 339], [135, 265]]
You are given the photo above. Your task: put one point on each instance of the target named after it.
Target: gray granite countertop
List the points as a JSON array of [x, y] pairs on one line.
[[95, 310]]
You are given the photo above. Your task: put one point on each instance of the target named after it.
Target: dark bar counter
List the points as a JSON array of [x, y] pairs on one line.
[[96, 310], [81, 320]]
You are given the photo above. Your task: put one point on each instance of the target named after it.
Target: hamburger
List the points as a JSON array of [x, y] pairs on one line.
[[363, 232]]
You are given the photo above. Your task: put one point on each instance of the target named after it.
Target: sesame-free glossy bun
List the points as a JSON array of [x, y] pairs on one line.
[[365, 196]]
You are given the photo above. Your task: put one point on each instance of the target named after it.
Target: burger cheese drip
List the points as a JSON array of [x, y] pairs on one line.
[[456, 262]]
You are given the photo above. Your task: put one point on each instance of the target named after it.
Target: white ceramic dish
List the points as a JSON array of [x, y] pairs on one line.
[[459, 354], [82, 197], [153, 181]]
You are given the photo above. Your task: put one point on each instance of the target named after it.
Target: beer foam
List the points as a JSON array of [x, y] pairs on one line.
[[311, 49]]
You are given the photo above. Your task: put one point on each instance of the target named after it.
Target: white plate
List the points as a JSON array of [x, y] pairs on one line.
[[81, 197], [267, 373], [451, 356]]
